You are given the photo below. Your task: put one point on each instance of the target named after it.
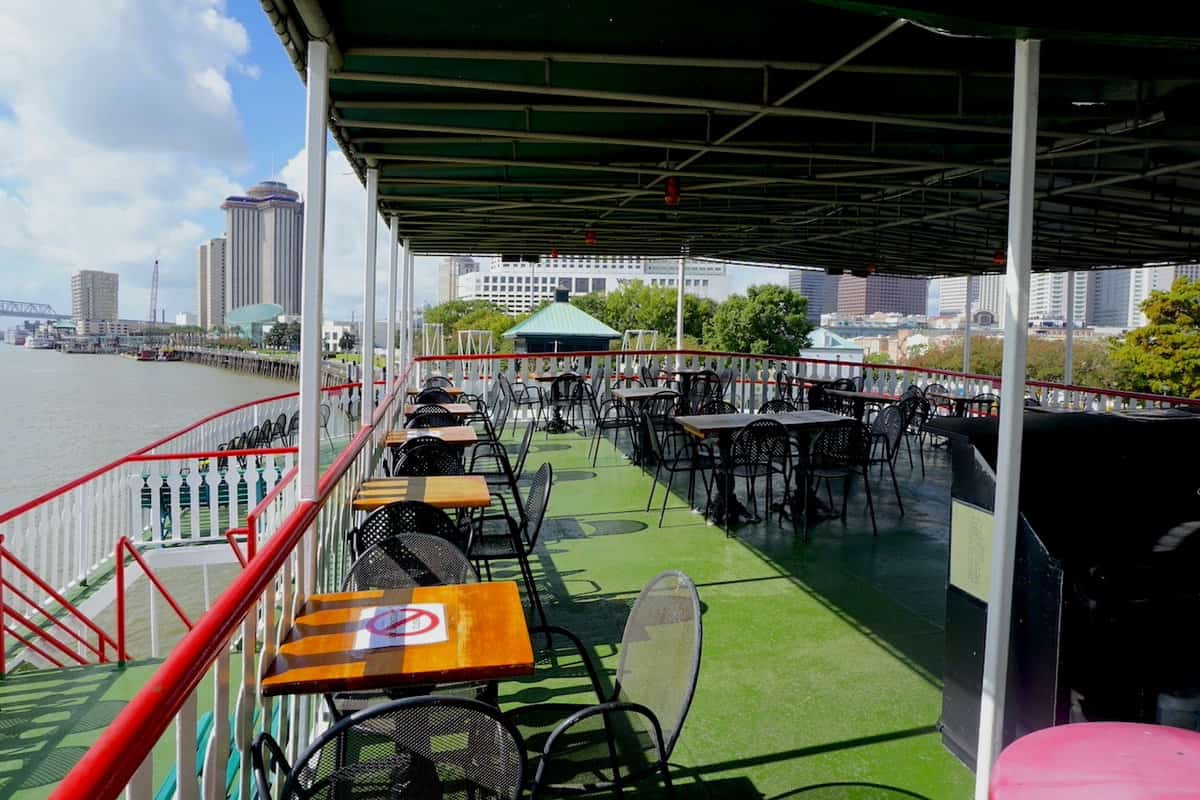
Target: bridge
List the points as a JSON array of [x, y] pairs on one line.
[[17, 308]]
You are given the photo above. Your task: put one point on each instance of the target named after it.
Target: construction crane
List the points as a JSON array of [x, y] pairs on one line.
[[154, 295]]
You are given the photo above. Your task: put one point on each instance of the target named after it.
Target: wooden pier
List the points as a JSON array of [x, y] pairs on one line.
[[271, 365]]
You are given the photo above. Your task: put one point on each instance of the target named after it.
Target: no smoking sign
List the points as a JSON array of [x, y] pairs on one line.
[[401, 626]]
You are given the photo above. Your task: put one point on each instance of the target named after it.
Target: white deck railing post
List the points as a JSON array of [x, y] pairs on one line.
[[393, 269], [1012, 411], [679, 309], [967, 326], [1069, 342], [368, 325], [313, 267]]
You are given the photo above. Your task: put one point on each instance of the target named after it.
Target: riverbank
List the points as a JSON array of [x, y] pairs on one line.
[[281, 366]]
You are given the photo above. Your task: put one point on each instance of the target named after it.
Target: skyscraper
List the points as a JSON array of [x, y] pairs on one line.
[[1108, 298], [820, 288], [887, 293], [448, 272], [952, 295], [210, 284], [1144, 280], [991, 295], [1048, 296], [264, 233], [94, 296]]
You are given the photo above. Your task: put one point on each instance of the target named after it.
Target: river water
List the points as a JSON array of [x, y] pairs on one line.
[[62, 415]]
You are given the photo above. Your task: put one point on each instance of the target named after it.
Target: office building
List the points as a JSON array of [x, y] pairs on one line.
[[888, 293], [1144, 280], [819, 288], [186, 319], [1108, 298], [264, 233], [518, 286], [94, 295], [951, 294], [448, 273], [210, 284], [1048, 297]]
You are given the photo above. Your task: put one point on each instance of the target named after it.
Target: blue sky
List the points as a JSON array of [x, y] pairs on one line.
[[118, 144]]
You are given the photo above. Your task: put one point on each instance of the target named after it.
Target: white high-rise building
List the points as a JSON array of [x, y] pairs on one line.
[[991, 296], [94, 296], [952, 295], [1108, 298], [1144, 280], [1048, 296], [449, 271], [264, 234], [518, 286], [210, 284], [820, 288]]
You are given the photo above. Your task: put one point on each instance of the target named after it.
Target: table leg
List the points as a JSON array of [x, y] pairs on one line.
[[727, 509]]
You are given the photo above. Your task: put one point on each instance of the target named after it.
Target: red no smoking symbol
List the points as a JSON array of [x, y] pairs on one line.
[[403, 622]]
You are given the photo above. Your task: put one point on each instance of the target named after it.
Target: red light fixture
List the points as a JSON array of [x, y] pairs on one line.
[[589, 238], [554, 252], [871, 268], [999, 258], [671, 195]]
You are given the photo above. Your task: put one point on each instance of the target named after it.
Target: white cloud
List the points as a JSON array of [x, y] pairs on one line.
[[345, 229], [118, 137]]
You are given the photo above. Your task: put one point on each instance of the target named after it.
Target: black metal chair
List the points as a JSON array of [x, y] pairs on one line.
[[819, 400], [431, 416], [406, 560], [662, 408], [561, 397], [762, 449], [501, 537], [418, 747], [614, 415], [917, 410], [718, 407], [703, 387], [438, 382], [685, 458], [843, 451], [492, 461], [528, 395], [887, 432], [777, 406], [428, 459], [1032, 402], [726, 376], [395, 451], [631, 731], [648, 376], [407, 516], [326, 411], [293, 429], [940, 406], [783, 385], [433, 395], [279, 431]]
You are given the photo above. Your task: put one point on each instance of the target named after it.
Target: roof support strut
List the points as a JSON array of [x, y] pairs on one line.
[[1012, 412]]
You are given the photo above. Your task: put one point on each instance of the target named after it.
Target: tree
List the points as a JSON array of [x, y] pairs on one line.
[[348, 342], [1164, 356], [769, 319], [636, 306], [1045, 359], [451, 314]]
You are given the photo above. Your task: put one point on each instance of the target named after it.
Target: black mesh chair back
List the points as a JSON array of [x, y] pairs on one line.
[[818, 400], [935, 388], [777, 406], [1032, 402], [428, 459], [431, 416], [407, 444], [762, 442], [434, 395], [726, 376], [600, 386], [912, 390], [537, 499], [983, 404], [438, 381], [408, 516], [325, 411], [407, 560], [293, 427], [660, 407], [846, 445], [718, 407], [279, 430], [505, 386], [648, 377], [889, 426], [523, 451], [843, 385], [410, 749], [783, 385], [562, 388], [704, 387], [660, 654]]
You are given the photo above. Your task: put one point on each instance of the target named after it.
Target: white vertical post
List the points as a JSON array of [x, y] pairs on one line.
[[1069, 344], [679, 309], [409, 335], [967, 326], [1012, 411], [309, 470], [368, 323], [393, 268]]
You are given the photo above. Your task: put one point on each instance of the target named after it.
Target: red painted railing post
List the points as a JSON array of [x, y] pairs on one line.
[[3, 645]]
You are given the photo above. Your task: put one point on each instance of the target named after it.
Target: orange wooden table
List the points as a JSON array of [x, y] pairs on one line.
[[453, 391], [458, 436], [461, 410], [487, 639], [443, 491]]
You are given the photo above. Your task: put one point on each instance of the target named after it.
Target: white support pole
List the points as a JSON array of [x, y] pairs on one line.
[[407, 355], [1069, 344], [1012, 411], [967, 326], [312, 270], [393, 269], [368, 323], [679, 309]]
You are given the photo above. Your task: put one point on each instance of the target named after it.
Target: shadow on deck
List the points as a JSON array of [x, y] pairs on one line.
[[822, 664]]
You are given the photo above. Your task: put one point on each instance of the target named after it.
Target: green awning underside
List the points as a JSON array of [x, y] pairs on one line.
[[824, 134]]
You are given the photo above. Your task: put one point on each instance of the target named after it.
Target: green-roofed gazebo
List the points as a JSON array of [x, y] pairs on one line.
[[561, 326]]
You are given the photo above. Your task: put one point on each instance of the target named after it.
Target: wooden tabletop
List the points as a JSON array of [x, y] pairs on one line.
[[453, 391], [457, 409], [874, 397], [486, 639], [704, 425], [457, 436], [642, 392], [443, 491]]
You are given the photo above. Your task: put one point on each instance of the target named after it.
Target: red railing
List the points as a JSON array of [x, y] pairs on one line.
[[126, 546]]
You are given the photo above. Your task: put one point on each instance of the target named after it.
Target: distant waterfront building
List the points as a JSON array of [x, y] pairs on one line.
[[991, 295], [448, 273], [94, 295], [210, 284], [820, 288], [886, 293], [264, 233], [187, 319], [94, 327], [1048, 296], [518, 286]]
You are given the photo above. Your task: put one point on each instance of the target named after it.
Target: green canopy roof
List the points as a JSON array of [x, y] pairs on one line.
[[832, 133], [562, 319]]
